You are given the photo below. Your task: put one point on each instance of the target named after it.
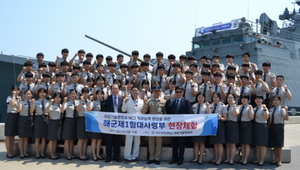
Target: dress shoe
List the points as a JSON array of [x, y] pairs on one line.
[[43, 157], [10, 157], [69, 159], [278, 164], [260, 164], [157, 162], [150, 161], [108, 159], [117, 159], [26, 156], [217, 163], [173, 161], [230, 163], [22, 157], [55, 158], [38, 157], [200, 163], [100, 158], [273, 163], [179, 162], [244, 163], [83, 159]]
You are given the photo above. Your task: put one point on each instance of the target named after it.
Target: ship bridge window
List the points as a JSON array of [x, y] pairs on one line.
[[237, 38], [196, 46], [205, 44], [250, 39], [215, 42], [226, 40]]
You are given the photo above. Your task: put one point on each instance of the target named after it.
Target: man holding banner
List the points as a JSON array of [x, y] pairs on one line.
[[113, 103], [132, 104], [155, 105], [179, 105]]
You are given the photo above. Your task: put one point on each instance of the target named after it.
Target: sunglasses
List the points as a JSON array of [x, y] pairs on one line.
[[178, 91]]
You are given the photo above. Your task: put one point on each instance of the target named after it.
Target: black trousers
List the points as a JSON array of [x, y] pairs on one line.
[[113, 141], [178, 142]]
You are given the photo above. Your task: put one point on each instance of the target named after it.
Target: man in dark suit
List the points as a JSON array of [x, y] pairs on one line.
[[113, 103], [179, 105]]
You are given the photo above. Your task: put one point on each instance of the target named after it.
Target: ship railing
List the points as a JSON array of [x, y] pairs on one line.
[[254, 26]]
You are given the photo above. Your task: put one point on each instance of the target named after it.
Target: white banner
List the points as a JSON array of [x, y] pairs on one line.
[[151, 124]]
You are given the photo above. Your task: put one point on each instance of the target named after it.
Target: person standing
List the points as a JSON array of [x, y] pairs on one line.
[[155, 105], [132, 104], [113, 103], [281, 90], [278, 115], [178, 105], [260, 129], [11, 121]]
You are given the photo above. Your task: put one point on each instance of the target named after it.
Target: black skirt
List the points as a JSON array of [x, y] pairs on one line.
[[97, 135], [276, 135], [69, 129], [199, 139], [81, 130], [54, 130], [260, 134], [231, 132], [220, 138], [40, 127], [11, 124], [25, 127], [245, 132]]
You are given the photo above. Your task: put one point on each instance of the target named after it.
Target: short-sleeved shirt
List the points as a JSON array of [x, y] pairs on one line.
[[229, 109], [69, 108], [156, 106], [57, 88], [171, 92], [24, 87], [71, 86], [281, 93], [83, 108], [245, 113], [278, 115], [220, 108], [188, 91], [23, 76], [247, 90], [38, 106], [87, 74], [54, 112], [11, 109], [25, 107], [177, 79], [162, 80], [96, 105], [199, 108], [155, 72], [145, 76], [259, 114], [260, 89], [204, 88], [230, 91], [267, 79], [110, 77], [45, 85]]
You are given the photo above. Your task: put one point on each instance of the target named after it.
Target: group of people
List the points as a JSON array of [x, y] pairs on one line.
[[52, 99]]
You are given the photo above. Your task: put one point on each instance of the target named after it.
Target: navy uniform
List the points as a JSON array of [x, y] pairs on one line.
[[97, 105], [245, 124], [276, 128], [11, 121], [280, 91], [110, 78], [70, 124], [231, 126], [218, 108], [187, 94], [24, 87], [54, 122], [169, 92], [72, 86], [260, 128], [144, 76], [40, 125], [177, 79], [81, 132], [85, 75], [204, 89], [162, 80]]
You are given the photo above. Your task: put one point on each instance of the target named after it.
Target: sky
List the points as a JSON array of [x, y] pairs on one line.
[[32, 26]]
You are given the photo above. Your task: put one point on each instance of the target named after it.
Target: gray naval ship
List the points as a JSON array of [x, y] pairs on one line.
[[263, 39]]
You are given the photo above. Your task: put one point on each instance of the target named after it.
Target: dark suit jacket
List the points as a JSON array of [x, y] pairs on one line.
[[109, 105], [184, 107]]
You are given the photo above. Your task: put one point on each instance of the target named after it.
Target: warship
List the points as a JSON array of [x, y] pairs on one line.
[[263, 39]]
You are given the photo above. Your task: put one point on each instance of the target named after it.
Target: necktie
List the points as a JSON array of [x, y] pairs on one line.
[[215, 107], [241, 113], [264, 77], [66, 78], [229, 90], [60, 89], [184, 89], [43, 108], [277, 91], [176, 106], [255, 113], [87, 74], [171, 91], [113, 78], [273, 116], [198, 110], [256, 85], [216, 88], [74, 111], [115, 104], [75, 87], [160, 80], [204, 90], [169, 71], [47, 86], [175, 76], [28, 114], [146, 74], [228, 107], [28, 86], [240, 98]]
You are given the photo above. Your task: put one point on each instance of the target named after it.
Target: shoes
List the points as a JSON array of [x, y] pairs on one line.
[[173, 161], [69, 159], [73, 157], [217, 163], [179, 162], [108, 159], [192, 161], [200, 163], [95, 159], [55, 158], [83, 159], [10, 157], [100, 158], [230, 163], [22, 157], [273, 163], [150, 161], [43, 157], [26, 156], [157, 162], [260, 164], [278, 164], [117, 159], [244, 163], [38, 157]]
